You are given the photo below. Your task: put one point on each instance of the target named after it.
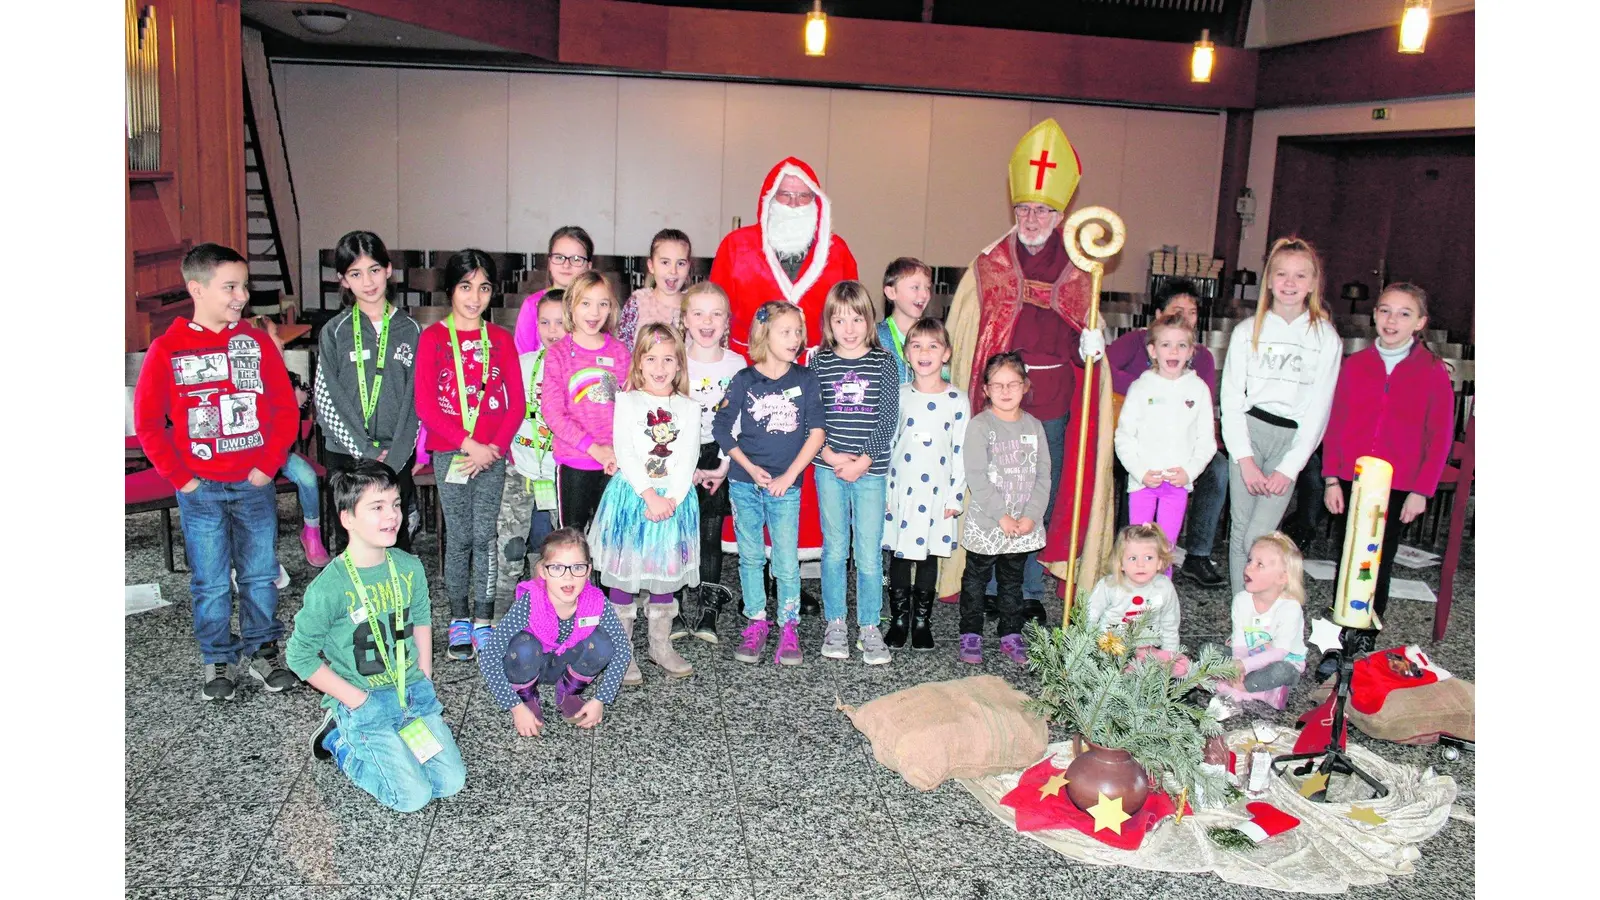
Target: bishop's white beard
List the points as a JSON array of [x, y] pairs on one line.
[[790, 230], [1034, 244]]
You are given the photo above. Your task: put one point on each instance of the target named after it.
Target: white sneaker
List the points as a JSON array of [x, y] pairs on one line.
[[836, 640], [874, 652]]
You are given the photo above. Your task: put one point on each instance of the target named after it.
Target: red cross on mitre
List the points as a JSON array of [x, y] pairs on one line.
[[1043, 163]]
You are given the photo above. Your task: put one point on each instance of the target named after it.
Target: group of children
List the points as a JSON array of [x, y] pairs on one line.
[[611, 466]]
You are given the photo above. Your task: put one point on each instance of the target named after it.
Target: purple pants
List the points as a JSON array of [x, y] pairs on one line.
[[1163, 505]]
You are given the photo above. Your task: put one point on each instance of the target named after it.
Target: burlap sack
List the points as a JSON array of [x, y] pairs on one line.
[[1419, 715], [966, 728]]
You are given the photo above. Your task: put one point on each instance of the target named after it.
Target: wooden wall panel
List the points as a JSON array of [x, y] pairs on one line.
[[878, 176], [453, 160], [559, 173], [668, 162]]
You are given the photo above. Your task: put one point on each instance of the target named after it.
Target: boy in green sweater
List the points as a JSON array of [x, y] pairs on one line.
[[363, 638]]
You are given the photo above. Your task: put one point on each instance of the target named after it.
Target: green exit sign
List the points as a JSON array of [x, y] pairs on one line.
[[1380, 113]]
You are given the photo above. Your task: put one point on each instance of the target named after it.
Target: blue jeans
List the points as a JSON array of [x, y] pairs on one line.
[[304, 478], [541, 524], [381, 764], [1205, 507], [844, 506], [232, 524], [753, 510]]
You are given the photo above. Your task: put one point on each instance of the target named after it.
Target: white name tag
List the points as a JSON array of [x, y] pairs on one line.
[[588, 621], [359, 614], [605, 361], [791, 393], [921, 437], [365, 354], [1030, 439]]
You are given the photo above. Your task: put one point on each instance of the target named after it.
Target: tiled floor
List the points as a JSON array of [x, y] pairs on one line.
[[740, 782]]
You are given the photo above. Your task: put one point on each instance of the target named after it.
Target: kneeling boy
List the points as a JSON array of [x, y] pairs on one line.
[[363, 639]]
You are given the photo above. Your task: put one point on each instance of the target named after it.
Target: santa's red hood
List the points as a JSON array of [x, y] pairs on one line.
[[817, 259]]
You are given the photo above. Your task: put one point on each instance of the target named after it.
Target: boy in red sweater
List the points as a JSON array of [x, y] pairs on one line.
[[216, 415]]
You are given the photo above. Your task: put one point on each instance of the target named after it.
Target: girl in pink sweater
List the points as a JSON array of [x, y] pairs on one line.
[[1393, 401], [582, 374]]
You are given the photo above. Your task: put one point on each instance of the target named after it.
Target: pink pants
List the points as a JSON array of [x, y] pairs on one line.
[[1163, 505]]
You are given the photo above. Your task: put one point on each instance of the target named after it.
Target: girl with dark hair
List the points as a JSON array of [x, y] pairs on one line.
[[363, 386], [570, 251], [469, 395]]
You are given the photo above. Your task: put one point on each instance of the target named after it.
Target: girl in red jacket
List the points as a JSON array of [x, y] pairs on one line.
[[470, 398], [1393, 401]]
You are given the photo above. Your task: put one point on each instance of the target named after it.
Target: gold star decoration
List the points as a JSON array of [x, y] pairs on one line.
[[1317, 782], [1052, 788], [1108, 814], [1112, 644], [1365, 814]]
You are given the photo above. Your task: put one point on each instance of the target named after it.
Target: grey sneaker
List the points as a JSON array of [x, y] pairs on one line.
[[836, 640], [219, 680], [874, 652], [266, 668]]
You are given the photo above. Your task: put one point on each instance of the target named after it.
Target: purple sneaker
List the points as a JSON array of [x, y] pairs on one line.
[[754, 642], [971, 651], [1013, 647], [788, 646]]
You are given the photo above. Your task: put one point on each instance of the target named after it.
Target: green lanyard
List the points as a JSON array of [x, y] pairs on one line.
[[469, 413], [533, 376], [369, 402], [898, 338], [398, 670]]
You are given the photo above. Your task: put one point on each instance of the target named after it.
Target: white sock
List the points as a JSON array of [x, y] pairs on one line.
[[314, 522]]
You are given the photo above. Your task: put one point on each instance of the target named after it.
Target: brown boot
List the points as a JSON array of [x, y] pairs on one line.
[[661, 652], [626, 615]]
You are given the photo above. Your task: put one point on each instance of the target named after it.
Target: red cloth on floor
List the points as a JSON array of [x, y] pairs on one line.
[[1317, 727], [1036, 814], [1376, 675]]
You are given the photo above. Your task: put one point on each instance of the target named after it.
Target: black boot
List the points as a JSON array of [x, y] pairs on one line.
[[809, 604], [922, 621], [712, 596], [1202, 571], [1033, 611], [680, 625], [899, 617]]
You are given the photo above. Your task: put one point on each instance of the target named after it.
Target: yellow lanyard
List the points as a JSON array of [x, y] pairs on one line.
[[398, 670]]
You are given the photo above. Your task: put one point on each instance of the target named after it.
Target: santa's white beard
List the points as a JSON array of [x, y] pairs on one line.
[[790, 229]]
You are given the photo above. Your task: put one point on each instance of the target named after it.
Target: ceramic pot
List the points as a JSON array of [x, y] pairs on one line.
[[1099, 770]]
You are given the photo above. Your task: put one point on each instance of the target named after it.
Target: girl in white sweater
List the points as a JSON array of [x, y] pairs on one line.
[[1164, 434], [1277, 390]]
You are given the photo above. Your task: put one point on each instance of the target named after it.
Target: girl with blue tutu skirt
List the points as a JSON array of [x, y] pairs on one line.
[[646, 533]]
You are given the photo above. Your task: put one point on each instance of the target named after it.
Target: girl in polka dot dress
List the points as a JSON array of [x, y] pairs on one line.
[[1138, 589], [927, 484]]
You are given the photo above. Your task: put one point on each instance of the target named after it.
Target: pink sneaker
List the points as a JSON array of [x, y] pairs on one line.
[[754, 641], [788, 646], [311, 542]]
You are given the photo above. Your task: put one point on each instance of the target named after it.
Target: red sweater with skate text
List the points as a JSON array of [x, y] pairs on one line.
[[214, 405], [500, 408]]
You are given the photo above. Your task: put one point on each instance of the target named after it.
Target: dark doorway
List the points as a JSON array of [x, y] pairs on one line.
[[1381, 210]]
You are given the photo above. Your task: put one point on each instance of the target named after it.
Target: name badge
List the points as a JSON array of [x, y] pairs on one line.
[[791, 393], [359, 614], [605, 361], [588, 621], [365, 354], [1031, 440], [424, 746], [921, 437]]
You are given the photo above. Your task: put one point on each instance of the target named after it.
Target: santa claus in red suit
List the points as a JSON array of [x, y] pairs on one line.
[[790, 254]]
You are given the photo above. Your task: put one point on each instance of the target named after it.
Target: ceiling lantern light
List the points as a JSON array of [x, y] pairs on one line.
[[322, 21], [1204, 58], [1414, 25], [816, 30]]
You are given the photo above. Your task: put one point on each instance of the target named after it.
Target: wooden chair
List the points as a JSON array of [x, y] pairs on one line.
[[1355, 345], [427, 315], [616, 264], [424, 283], [428, 505], [505, 317]]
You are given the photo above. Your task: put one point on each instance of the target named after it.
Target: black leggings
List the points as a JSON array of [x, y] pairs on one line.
[[578, 494], [926, 578]]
